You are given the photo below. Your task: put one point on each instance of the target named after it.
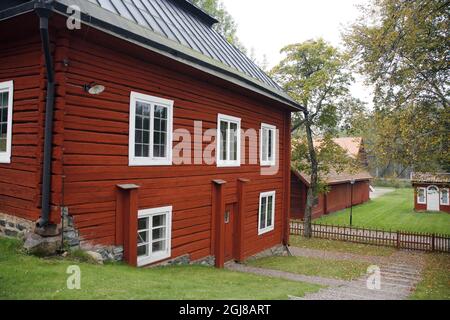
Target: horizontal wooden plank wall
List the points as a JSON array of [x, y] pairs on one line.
[[338, 198], [22, 62], [96, 149]]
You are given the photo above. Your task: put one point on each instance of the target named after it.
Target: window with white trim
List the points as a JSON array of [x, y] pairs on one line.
[[266, 216], [228, 141], [6, 112], [444, 197], [267, 144], [421, 195], [154, 235], [150, 136]]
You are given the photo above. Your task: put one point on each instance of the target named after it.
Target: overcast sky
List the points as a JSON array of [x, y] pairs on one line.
[[268, 25]]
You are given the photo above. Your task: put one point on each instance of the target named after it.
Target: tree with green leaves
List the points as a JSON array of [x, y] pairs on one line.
[[314, 74], [403, 50]]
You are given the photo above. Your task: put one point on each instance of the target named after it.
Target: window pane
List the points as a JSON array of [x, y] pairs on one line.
[[269, 145], [223, 140], [159, 233], [138, 120], [138, 150], [233, 141], [159, 221], [444, 196], [159, 246], [5, 96], [160, 132], [142, 131], [3, 120], [263, 213], [143, 224], [142, 251], [269, 211], [264, 144], [142, 237], [145, 151], [138, 136]]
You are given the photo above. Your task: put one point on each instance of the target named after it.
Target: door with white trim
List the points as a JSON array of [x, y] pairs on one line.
[[432, 198]]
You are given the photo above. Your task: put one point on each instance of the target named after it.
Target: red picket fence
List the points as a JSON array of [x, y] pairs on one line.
[[398, 239]]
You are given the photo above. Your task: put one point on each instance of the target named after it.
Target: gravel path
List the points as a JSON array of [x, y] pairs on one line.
[[399, 278], [399, 272], [285, 275]]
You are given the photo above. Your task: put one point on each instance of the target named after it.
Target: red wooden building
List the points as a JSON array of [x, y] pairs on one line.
[[341, 192], [431, 191], [91, 116]]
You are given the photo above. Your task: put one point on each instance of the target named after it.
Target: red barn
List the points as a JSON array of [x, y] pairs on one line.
[[431, 191], [337, 198], [111, 123], [340, 192]]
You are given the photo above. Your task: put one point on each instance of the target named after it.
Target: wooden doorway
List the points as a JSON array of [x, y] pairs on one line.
[[230, 218]]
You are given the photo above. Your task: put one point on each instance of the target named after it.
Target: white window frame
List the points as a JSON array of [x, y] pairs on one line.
[[271, 162], [440, 197], [149, 213], [271, 227], [226, 162], [424, 193], [149, 161], [8, 86]]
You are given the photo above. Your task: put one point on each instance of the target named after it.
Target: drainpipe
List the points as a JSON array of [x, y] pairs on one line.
[[43, 10]]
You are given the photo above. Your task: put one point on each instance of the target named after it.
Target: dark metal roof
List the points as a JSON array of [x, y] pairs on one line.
[[171, 19], [180, 30]]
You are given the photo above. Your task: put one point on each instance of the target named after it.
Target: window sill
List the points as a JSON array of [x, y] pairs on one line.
[[228, 164], [267, 164], [149, 163], [266, 230], [143, 261], [5, 159]]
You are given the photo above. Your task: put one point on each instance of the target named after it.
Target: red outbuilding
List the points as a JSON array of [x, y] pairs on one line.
[[344, 189], [109, 116], [431, 191]]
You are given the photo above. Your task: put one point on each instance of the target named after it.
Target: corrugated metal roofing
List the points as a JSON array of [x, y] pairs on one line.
[[170, 19]]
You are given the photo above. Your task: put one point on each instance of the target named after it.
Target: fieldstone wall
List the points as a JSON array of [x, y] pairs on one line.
[[12, 226], [278, 250]]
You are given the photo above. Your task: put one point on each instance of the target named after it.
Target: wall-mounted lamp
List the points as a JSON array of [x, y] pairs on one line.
[[94, 88]]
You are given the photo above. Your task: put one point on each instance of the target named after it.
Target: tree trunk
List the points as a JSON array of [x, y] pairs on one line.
[[312, 190]]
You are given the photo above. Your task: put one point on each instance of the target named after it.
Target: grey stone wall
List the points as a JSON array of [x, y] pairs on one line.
[[278, 250], [12, 226]]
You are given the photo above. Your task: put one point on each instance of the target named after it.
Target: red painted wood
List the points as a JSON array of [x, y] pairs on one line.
[[91, 140], [230, 232], [338, 198]]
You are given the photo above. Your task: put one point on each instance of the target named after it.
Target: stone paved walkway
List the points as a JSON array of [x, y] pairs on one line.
[[400, 273]]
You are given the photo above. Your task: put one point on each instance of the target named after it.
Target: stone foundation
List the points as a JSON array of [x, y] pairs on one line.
[[277, 251], [12, 226]]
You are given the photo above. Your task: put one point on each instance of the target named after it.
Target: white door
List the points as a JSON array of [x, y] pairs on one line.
[[432, 198]]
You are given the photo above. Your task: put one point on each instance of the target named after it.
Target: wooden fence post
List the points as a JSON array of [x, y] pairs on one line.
[[398, 240], [433, 237]]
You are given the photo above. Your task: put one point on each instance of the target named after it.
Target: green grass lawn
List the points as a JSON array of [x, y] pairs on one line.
[[28, 277], [393, 211], [337, 269], [435, 284], [340, 246]]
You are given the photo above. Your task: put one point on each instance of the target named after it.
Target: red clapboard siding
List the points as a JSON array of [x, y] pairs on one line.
[[90, 145], [96, 147], [338, 198], [21, 62]]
